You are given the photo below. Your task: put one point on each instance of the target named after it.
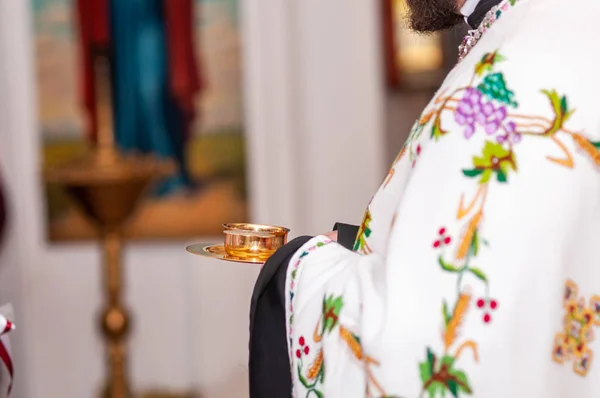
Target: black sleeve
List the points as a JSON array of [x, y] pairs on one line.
[[346, 234], [269, 367]]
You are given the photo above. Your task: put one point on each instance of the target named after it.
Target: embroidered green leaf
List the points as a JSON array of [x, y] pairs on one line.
[[303, 380], [501, 176], [446, 313], [425, 372], [479, 274], [455, 380], [474, 248], [563, 104], [554, 100], [363, 232], [463, 382], [332, 306], [487, 62], [560, 108], [596, 144], [472, 172], [430, 360], [318, 393], [485, 176], [431, 385], [427, 367], [440, 379], [321, 375], [494, 87], [512, 2], [568, 115], [320, 244], [436, 129], [446, 266], [448, 361], [294, 274], [453, 387], [495, 159], [436, 389]]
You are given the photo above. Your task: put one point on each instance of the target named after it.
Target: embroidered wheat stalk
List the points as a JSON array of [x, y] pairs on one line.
[[470, 344], [463, 248], [586, 146], [460, 310], [352, 343], [315, 368]]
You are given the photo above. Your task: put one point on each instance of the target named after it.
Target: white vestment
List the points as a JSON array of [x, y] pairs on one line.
[[477, 268]]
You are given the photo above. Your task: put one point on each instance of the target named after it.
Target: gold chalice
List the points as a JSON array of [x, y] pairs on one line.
[[253, 241], [245, 243]]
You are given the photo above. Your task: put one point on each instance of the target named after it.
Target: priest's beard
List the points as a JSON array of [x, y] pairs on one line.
[[428, 16]]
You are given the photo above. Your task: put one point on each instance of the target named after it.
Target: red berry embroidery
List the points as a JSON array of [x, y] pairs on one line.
[[301, 341], [443, 240], [418, 149], [306, 350], [485, 304], [298, 354]]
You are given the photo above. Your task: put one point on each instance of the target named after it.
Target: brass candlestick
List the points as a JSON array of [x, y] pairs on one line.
[[107, 186]]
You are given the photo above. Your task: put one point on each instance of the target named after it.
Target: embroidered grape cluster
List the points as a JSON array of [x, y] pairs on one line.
[[473, 111], [487, 305], [511, 134], [494, 86]]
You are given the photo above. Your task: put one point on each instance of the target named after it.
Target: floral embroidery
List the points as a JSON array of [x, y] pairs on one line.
[[573, 342], [486, 105], [363, 233], [313, 376], [294, 276], [439, 375]]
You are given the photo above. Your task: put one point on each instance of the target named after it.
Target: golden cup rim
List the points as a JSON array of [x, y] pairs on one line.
[[255, 227]]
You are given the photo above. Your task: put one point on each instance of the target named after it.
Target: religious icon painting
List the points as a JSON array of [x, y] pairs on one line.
[[176, 93]]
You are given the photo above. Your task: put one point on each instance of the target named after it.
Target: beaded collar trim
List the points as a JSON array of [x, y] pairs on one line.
[[474, 35]]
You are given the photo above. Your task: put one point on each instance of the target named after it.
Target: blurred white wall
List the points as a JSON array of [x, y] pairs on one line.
[[314, 105]]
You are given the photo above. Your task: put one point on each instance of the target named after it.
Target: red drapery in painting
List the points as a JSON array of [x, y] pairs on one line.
[[93, 27], [185, 81], [184, 78]]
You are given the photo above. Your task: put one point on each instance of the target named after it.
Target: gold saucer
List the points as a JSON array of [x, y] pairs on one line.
[[216, 250]]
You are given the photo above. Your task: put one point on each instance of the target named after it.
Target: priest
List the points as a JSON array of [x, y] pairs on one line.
[[476, 269]]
